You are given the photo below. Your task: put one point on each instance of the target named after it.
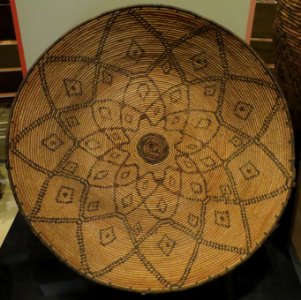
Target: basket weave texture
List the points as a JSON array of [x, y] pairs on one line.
[[150, 149], [287, 39]]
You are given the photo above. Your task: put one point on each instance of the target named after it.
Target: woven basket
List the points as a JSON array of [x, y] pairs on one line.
[[287, 39], [150, 149]]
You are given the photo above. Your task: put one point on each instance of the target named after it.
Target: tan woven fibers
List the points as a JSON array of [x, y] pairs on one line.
[[151, 150], [287, 39]]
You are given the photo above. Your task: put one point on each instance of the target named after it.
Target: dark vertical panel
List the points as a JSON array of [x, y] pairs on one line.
[[10, 81], [263, 20], [6, 23]]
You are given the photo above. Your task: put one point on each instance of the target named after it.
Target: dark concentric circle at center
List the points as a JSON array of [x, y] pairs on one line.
[[153, 148]]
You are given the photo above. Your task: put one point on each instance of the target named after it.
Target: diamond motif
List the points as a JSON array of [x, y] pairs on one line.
[[186, 164], [225, 190], [135, 51], [146, 185], [208, 161], [92, 144], [52, 143], [101, 175], [107, 78], [176, 96], [128, 118], [162, 206], [93, 206], [73, 87], [143, 90], [117, 136], [166, 67], [156, 110], [175, 120], [105, 113], [222, 218], [65, 195], [166, 245], [209, 90], [236, 141], [193, 220], [107, 236], [196, 187], [137, 228], [96, 144], [249, 171], [70, 167], [192, 147], [114, 154], [127, 201], [126, 175], [172, 181], [199, 61], [203, 123], [243, 110], [72, 121], [189, 144]]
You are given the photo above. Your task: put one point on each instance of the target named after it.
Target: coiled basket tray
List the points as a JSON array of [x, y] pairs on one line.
[[150, 149]]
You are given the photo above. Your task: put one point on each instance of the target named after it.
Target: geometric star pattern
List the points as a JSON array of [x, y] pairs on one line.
[[144, 159]]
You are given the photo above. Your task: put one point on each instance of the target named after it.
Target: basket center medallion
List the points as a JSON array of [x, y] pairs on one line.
[[153, 148]]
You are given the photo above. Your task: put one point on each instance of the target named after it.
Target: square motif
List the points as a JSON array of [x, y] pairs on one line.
[[107, 236], [243, 110], [222, 218], [209, 90], [249, 171], [199, 61], [65, 195], [73, 87], [93, 206]]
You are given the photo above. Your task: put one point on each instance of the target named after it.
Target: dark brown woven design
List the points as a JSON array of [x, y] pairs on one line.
[[151, 150], [287, 39]]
